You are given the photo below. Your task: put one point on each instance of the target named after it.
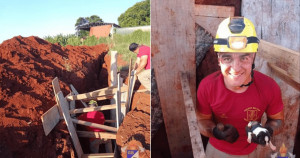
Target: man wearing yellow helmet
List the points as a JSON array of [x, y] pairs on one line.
[[229, 99]]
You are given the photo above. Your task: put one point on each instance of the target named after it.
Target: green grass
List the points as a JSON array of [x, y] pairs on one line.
[[117, 42]]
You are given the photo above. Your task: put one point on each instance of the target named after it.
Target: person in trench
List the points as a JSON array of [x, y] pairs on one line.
[[234, 98], [142, 64]]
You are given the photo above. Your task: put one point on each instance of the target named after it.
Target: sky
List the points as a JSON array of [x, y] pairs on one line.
[[52, 17]]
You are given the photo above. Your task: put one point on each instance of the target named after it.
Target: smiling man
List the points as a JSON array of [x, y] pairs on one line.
[[229, 99]]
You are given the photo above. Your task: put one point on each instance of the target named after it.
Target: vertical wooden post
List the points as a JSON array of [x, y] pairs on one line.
[[173, 50], [113, 68]]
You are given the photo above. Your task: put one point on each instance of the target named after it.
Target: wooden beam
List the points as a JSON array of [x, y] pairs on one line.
[[99, 108], [55, 84], [50, 119], [214, 11], [195, 136], [96, 94], [118, 102], [98, 155], [102, 135], [76, 93], [65, 110], [173, 51], [56, 89], [283, 58], [95, 125], [288, 78]]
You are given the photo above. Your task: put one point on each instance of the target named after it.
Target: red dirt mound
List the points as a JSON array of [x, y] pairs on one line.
[[27, 67], [134, 132]]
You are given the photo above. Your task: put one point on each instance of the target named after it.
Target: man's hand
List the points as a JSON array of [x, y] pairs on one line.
[[227, 133]]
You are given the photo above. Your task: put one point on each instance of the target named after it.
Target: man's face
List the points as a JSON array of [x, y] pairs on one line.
[[236, 68]]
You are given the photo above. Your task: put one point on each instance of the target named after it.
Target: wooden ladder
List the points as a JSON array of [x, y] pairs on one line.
[[65, 109]]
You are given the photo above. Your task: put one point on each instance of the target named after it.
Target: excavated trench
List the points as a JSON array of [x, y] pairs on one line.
[[27, 68]]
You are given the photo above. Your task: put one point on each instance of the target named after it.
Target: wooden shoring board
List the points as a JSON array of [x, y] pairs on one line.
[[282, 65], [118, 102], [98, 155], [195, 136], [102, 135], [285, 59], [76, 93], [173, 51], [130, 92], [129, 84], [95, 125], [99, 108], [50, 119], [63, 103], [210, 16], [56, 89], [96, 94]]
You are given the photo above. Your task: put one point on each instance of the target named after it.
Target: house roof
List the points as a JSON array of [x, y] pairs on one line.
[[87, 26]]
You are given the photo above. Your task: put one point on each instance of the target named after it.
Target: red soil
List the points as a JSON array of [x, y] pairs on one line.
[[27, 67]]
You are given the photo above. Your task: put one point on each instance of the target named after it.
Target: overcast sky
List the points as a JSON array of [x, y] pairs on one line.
[[52, 17]]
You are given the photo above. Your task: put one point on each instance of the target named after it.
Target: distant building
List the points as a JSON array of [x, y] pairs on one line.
[[99, 29]]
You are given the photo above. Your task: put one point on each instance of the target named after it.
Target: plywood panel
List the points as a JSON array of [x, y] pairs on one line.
[[173, 50], [288, 61], [50, 119], [275, 21], [210, 16]]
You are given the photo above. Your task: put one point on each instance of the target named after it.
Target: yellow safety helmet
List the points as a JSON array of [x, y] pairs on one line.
[[236, 34]]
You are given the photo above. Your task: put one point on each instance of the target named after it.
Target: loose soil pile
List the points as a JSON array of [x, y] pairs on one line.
[[134, 134], [27, 68]]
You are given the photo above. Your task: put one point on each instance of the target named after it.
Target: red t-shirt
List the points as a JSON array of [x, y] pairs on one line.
[[145, 50], [94, 117], [237, 109]]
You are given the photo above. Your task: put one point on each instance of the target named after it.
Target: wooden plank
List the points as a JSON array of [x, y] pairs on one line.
[[96, 94], [173, 51], [132, 83], [284, 76], [55, 84], [129, 83], [195, 136], [214, 11], [281, 57], [99, 108], [102, 135], [118, 102], [96, 125], [50, 119], [98, 155], [65, 110], [76, 93], [210, 21], [56, 89], [98, 98]]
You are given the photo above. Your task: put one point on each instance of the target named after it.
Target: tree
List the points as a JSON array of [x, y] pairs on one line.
[[91, 19], [137, 15], [86, 20]]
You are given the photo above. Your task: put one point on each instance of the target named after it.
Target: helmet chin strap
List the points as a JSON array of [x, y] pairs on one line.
[[252, 72], [249, 83]]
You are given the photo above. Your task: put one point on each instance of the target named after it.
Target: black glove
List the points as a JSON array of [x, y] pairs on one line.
[[227, 133], [258, 134]]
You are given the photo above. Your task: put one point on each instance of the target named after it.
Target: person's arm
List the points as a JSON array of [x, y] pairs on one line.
[[142, 64], [206, 125], [275, 122], [137, 62]]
